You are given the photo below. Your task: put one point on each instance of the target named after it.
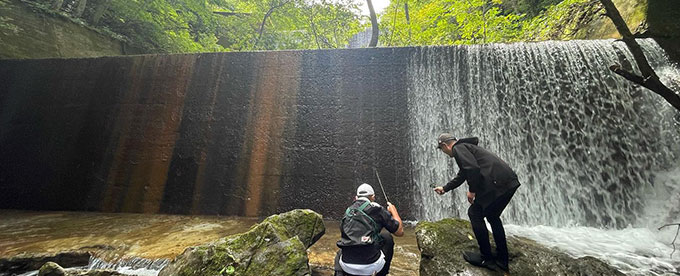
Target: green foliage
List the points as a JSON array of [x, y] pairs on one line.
[[557, 21], [529, 7], [445, 22], [291, 24], [438, 22], [176, 26]]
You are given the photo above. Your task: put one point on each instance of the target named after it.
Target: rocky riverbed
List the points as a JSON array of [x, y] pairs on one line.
[[298, 242]]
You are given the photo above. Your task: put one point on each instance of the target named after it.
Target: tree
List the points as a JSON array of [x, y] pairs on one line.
[[374, 25], [331, 23], [273, 5], [648, 79], [445, 22], [177, 26]]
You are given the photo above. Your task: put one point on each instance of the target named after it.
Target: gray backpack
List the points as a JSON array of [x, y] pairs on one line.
[[359, 228]]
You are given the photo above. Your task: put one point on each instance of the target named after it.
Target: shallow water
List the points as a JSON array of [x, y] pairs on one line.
[[119, 240], [634, 251], [142, 243]]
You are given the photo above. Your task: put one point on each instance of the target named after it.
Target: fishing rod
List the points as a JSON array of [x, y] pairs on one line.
[[380, 182]]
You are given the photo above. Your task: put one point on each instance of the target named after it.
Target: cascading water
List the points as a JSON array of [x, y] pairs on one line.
[[589, 147]]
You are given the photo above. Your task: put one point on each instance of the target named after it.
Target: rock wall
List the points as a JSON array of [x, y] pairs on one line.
[[231, 133], [25, 33]]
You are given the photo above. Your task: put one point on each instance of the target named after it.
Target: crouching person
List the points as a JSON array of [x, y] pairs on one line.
[[364, 250]]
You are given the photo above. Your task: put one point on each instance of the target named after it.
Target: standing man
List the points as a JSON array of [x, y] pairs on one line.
[[492, 183], [364, 250]]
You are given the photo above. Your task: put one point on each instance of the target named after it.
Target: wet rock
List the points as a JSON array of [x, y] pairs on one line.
[[29, 262], [51, 269], [95, 272], [307, 225], [276, 246], [441, 244], [54, 269]]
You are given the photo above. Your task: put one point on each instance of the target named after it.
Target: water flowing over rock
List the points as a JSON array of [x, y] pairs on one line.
[[589, 147], [28, 262], [54, 269], [441, 244], [276, 246]]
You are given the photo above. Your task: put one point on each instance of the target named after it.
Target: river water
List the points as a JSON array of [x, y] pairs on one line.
[[142, 244]]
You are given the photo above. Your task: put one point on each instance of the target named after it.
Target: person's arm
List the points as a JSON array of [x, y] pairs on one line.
[[395, 215], [456, 181]]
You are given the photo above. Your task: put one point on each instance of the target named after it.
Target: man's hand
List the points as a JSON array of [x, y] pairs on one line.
[[391, 208], [471, 197], [440, 190]]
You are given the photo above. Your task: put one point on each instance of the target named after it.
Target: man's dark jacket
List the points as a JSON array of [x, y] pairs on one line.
[[488, 176]]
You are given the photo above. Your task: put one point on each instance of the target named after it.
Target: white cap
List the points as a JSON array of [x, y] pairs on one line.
[[365, 190]]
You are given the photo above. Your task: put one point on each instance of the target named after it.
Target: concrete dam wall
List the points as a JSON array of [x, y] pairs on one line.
[[230, 133], [251, 134]]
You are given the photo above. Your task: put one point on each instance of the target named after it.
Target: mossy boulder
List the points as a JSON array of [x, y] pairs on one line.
[[28, 262], [54, 269], [51, 269], [441, 245], [276, 246]]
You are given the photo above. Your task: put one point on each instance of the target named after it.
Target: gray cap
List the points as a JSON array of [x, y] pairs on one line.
[[445, 137]]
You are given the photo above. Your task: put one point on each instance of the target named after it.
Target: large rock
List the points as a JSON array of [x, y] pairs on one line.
[[54, 269], [441, 244], [276, 246], [51, 269], [28, 262]]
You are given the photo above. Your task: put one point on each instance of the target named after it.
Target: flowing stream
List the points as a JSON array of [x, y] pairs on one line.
[[142, 244], [596, 155]]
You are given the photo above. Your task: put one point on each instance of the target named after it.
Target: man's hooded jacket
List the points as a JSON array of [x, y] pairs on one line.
[[488, 176]]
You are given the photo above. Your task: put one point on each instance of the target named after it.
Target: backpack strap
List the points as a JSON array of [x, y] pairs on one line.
[[360, 209], [376, 231], [363, 206]]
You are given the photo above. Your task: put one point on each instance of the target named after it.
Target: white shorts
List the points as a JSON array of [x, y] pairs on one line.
[[364, 269]]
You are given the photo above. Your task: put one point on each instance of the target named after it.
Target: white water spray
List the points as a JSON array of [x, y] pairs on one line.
[[585, 142], [590, 148]]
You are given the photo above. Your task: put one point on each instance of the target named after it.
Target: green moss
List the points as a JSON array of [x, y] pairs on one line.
[[272, 247], [441, 244]]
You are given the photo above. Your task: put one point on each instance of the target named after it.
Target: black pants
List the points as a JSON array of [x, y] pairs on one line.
[[387, 248], [492, 213]]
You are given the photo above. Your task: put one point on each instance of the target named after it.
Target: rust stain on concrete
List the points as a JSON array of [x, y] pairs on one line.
[[149, 120], [277, 85]]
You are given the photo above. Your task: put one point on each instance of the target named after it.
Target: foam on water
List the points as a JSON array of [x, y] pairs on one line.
[[634, 251], [131, 266]]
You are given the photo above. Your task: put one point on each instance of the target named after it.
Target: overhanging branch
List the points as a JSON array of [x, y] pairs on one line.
[[649, 79]]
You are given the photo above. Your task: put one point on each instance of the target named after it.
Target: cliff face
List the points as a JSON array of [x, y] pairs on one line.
[[585, 19], [26, 33]]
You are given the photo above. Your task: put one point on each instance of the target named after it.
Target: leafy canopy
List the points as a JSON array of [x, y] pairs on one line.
[[174, 26]]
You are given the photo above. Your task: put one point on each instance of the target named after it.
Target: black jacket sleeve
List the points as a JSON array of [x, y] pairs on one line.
[[467, 163], [388, 221], [457, 181]]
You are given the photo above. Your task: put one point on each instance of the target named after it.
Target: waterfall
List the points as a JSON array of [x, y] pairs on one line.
[[589, 147]]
